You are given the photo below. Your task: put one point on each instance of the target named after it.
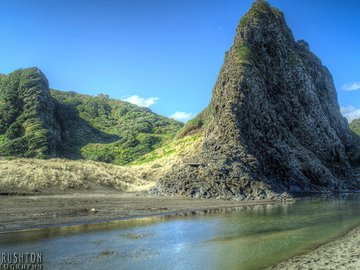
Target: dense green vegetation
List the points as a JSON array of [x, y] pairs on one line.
[[27, 128], [355, 126], [76, 133], [138, 130], [36, 122]]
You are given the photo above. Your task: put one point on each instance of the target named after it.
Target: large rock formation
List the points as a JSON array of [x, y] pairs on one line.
[[274, 121]]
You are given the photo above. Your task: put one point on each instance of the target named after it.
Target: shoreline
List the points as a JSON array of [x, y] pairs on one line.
[[342, 252], [29, 212]]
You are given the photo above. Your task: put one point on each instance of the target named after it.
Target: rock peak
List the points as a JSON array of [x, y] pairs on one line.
[[260, 10], [274, 120], [262, 20], [260, 4]]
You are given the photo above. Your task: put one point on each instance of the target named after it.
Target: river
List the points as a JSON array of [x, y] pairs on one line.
[[246, 238]]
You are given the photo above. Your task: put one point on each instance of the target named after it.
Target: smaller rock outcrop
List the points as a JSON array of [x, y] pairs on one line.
[[27, 122]]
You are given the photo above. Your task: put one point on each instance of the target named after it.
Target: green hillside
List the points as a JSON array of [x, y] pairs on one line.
[[27, 125], [138, 130], [355, 126], [37, 122]]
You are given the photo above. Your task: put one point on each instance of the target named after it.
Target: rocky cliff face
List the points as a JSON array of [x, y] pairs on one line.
[[274, 121]]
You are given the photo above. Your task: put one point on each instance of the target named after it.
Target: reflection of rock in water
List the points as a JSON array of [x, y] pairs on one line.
[[139, 254], [256, 208], [137, 236]]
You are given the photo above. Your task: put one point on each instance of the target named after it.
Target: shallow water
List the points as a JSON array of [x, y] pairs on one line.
[[250, 237]]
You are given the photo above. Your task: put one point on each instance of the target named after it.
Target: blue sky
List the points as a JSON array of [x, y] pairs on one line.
[[164, 54]]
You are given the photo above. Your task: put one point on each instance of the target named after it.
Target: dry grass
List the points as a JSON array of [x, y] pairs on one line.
[[57, 175], [53, 175], [185, 146]]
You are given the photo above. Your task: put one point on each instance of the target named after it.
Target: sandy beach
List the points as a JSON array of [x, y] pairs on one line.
[[343, 253]]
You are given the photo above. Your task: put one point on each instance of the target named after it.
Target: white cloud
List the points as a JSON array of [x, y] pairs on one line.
[[350, 112], [181, 116], [140, 101], [351, 86]]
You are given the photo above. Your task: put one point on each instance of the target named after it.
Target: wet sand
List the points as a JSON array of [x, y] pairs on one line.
[[343, 253], [34, 211]]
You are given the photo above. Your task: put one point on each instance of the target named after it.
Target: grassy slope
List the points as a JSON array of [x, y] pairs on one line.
[[177, 148], [38, 123], [23, 175], [355, 126], [138, 130], [98, 128], [57, 175], [196, 124], [354, 152]]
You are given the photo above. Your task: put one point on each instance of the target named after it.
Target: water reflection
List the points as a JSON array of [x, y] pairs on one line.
[[248, 237]]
